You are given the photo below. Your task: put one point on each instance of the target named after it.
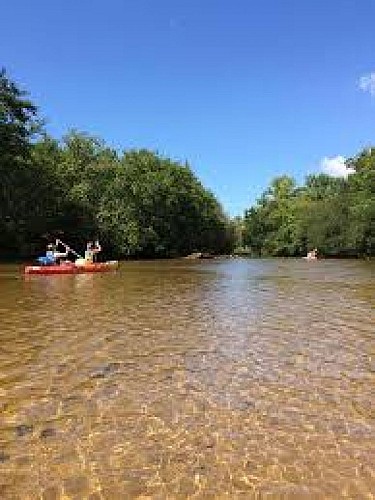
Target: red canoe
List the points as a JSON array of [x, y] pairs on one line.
[[96, 267]]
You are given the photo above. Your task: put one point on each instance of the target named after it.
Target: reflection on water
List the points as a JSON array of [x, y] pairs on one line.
[[228, 378]]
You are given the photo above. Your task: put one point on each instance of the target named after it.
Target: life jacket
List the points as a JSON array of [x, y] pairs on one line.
[[48, 259]]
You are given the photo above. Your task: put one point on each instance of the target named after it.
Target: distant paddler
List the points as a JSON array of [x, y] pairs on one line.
[[92, 249], [312, 255], [53, 255]]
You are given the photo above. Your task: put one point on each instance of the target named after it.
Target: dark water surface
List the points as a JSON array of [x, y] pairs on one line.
[[213, 379]]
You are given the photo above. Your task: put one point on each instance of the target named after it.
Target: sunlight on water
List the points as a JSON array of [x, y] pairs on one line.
[[228, 378]]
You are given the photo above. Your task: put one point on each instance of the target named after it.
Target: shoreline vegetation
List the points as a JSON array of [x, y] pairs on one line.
[[141, 204]]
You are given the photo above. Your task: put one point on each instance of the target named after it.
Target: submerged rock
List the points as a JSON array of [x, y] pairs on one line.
[[105, 370], [23, 429], [48, 432], [4, 457]]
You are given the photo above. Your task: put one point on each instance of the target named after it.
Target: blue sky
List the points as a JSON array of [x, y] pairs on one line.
[[244, 90]]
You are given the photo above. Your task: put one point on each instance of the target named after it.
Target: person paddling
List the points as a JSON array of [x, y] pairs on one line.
[[53, 255], [312, 255], [91, 250]]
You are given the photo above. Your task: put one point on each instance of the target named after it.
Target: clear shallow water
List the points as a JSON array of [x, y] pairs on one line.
[[212, 379]]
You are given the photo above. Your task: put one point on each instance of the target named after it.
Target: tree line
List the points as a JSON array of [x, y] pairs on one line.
[[334, 215], [139, 203]]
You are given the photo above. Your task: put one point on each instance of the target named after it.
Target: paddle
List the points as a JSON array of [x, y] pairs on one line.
[[69, 249]]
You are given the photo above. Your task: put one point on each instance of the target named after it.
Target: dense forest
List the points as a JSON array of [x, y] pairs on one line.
[[141, 204], [136, 203], [334, 215]]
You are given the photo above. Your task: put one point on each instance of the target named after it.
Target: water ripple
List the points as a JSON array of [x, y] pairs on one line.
[[226, 378]]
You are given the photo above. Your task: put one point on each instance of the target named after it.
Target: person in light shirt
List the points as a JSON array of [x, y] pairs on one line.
[[91, 250], [313, 254]]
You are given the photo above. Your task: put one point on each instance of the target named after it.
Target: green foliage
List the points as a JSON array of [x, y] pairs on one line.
[[361, 202], [138, 203], [335, 215], [271, 226], [154, 206], [21, 183], [17, 120]]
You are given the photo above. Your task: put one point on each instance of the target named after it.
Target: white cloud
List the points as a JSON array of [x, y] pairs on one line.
[[335, 166], [367, 83]]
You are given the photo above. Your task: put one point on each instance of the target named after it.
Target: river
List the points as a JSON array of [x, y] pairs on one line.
[[228, 378]]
